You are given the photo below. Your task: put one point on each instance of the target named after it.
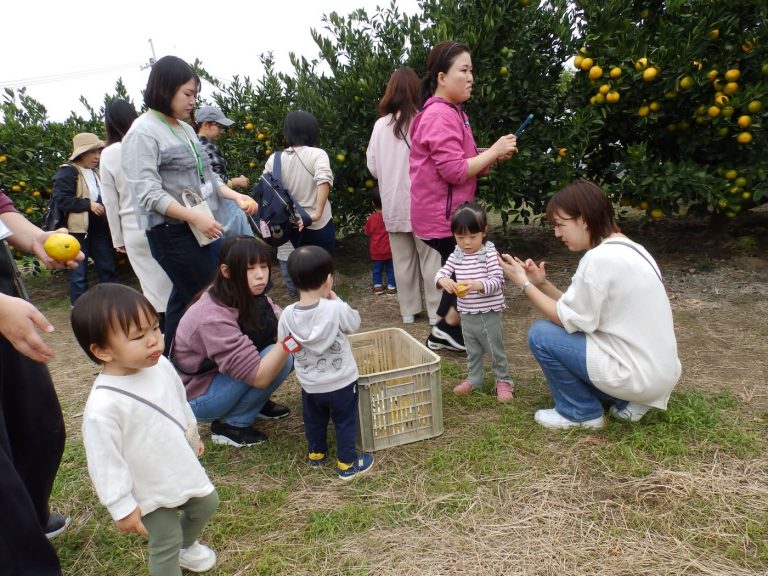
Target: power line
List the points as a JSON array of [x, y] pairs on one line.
[[36, 80]]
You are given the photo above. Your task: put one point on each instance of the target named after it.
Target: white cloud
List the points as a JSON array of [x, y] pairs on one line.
[[61, 51]]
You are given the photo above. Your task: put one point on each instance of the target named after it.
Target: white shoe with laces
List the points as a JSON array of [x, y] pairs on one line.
[[197, 558], [409, 319], [632, 412], [553, 419]]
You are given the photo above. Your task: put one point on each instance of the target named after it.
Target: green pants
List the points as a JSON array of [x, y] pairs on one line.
[[482, 335], [171, 529]]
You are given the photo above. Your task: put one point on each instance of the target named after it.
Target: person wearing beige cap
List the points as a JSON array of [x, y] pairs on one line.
[[77, 189]]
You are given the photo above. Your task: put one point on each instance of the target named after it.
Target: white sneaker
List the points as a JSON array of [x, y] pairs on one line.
[[632, 412], [409, 319], [433, 321], [553, 419], [197, 558]]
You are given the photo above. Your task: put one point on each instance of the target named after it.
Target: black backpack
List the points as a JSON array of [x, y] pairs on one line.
[[278, 212]]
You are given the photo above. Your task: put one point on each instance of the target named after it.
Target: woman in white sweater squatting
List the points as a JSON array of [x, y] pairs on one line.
[[609, 338], [140, 434]]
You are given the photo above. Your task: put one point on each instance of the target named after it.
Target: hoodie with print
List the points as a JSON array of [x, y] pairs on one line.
[[325, 362]]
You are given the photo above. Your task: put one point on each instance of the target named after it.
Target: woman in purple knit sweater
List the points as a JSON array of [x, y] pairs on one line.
[[225, 348]]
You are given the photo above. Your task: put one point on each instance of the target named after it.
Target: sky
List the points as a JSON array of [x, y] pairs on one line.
[[60, 53]]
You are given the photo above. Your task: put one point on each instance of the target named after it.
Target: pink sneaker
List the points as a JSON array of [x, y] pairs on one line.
[[464, 388], [505, 391]]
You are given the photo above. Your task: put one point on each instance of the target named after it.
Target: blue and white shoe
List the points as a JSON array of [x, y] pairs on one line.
[[363, 462]]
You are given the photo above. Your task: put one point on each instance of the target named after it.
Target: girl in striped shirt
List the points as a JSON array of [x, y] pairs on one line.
[[473, 273]]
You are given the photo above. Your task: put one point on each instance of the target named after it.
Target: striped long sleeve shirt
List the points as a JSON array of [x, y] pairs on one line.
[[483, 266]]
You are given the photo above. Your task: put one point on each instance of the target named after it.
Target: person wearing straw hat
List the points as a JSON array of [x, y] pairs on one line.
[[77, 189]]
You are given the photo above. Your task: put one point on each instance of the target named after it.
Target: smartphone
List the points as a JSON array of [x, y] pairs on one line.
[[522, 128]]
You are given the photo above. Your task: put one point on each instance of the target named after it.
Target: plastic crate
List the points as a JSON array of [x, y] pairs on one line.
[[400, 399]]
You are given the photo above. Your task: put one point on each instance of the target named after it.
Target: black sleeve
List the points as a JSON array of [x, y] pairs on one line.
[[65, 188]]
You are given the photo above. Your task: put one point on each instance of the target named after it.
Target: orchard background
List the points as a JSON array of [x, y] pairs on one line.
[[662, 103]]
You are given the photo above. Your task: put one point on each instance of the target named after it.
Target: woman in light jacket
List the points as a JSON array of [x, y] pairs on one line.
[[609, 338], [387, 154], [127, 237], [162, 159]]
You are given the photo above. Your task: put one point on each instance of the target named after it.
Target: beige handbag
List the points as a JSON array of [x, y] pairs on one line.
[[194, 201]]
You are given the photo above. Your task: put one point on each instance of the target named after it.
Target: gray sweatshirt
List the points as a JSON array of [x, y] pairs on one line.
[[325, 362], [159, 165]]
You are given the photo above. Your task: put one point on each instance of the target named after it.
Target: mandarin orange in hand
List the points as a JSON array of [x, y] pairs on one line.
[[61, 247]]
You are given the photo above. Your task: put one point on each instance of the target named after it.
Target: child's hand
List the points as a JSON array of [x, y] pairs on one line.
[[448, 285], [132, 523], [200, 449]]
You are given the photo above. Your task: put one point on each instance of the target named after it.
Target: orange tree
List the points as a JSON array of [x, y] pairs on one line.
[[673, 97]]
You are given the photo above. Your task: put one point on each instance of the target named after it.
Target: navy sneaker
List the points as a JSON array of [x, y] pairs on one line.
[[363, 463], [316, 459], [236, 436], [273, 411], [451, 334]]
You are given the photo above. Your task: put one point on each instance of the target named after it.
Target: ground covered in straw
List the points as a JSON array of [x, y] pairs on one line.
[[683, 492]]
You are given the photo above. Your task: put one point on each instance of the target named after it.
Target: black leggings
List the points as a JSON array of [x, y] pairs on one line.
[[445, 247]]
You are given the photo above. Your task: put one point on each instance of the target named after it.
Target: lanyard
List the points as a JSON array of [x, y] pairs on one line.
[[188, 144]]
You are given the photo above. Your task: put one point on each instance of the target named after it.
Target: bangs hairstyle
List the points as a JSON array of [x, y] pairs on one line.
[[401, 99], [586, 199], [167, 75], [309, 266], [469, 218], [118, 117], [440, 59], [237, 254], [105, 309], [301, 129]]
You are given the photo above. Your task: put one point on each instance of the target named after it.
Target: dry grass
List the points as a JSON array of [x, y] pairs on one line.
[[684, 492]]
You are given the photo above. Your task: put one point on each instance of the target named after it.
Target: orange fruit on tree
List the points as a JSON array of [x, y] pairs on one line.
[[604, 89], [615, 72], [61, 247], [261, 136], [643, 111], [16, 188], [744, 121], [732, 75], [712, 75], [755, 106], [721, 100], [249, 126], [643, 205], [577, 61], [727, 111], [713, 34], [563, 152], [731, 88], [657, 213], [744, 138], [369, 183], [252, 164], [587, 63], [731, 174], [654, 106], [740, 182], [36, 194], [612, 97], [649, 74], [746, 195], [641, 64], [686, 83], [599, 99], [713, 111], [723, 132], [595, 72]]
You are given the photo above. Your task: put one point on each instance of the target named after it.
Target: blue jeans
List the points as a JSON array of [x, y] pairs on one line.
[[97, 245], [341, 407], [325, 237], [234, 402], [563, 359], [190, 267], [378, 268]]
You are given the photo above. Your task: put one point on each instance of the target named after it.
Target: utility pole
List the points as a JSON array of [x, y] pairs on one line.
[[152, 59]]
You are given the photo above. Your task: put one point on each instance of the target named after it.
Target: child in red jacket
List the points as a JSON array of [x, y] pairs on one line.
[[381, 253]]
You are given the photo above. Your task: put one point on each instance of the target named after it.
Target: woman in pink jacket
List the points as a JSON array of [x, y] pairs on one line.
[[387, 153], [444, 164]]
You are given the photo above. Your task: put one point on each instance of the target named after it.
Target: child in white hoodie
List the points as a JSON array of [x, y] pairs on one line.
[[314, 330]]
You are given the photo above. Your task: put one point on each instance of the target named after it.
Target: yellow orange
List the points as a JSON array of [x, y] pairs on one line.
[[612, 97], [604, 89], [615, 72], [61, 247], [744, 121], [686, 83], [732, 75], [595, 72], [713, 34], [641, 64], [577, 61], [731, 88], [755, 106], [713, 111], [744, 138], [643, 111], [587, 63], [654, 106], [649, 74]]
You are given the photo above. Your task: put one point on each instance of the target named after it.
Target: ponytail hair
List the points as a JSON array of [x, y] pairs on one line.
[[440, 59]]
